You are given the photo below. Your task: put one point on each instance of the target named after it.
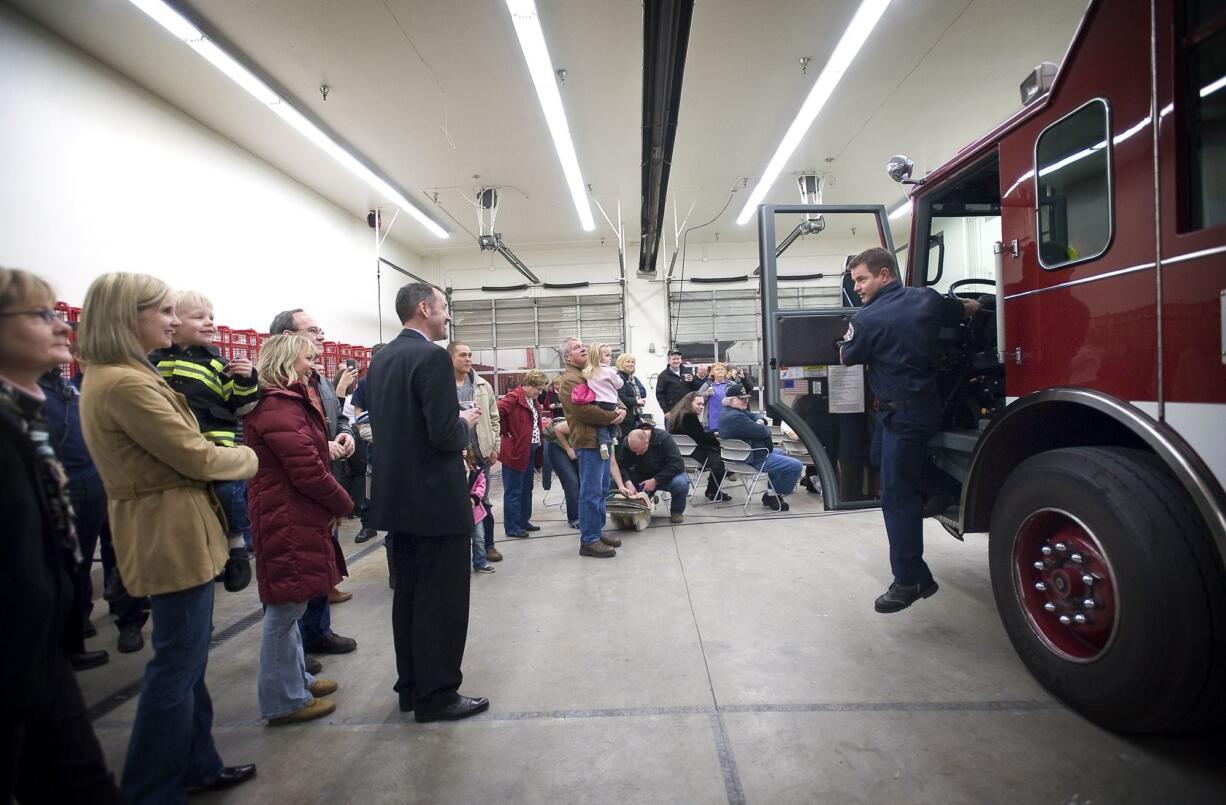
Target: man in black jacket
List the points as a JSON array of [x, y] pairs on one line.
[[677, 381], [648, 461], [421, 497]]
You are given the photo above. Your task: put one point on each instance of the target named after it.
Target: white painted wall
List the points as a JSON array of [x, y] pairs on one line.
[[646, 300], [97, 175]]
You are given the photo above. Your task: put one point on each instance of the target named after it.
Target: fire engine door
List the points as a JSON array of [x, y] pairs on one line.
[[826, 405]]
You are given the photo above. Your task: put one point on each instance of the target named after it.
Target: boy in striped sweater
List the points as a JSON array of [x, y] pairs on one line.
[[219, 392]]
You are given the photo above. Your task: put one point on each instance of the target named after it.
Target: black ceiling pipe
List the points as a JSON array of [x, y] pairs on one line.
[[666, 36]]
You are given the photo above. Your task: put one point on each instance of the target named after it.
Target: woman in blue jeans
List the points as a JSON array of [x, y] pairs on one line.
[[520, 423], [157, 469]]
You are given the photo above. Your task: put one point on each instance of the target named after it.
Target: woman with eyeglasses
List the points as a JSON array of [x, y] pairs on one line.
[[48, 751], [168, 535]]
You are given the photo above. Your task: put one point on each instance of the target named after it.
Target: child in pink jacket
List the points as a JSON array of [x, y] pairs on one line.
[[476, 493]]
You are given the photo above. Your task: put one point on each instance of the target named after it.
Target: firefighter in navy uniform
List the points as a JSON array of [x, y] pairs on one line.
[[895, 336]]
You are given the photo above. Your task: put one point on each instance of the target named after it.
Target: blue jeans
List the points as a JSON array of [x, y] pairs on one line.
[[595, 474], [283, 679], [90, 518], [233, 498], [517, 495], [900, 449], [171, 748], [487, 525], [678, 488], [568, 475], [316, 621], [479, 560], [783, 470], [546, 468]]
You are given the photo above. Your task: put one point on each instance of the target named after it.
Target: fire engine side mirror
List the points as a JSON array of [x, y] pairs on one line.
[[900, 169]]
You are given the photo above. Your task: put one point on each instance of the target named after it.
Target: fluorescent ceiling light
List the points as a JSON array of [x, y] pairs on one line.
[[849, 45], [1071, 158], [536, 54], [1209, 89], [901, 210], [171, 20]]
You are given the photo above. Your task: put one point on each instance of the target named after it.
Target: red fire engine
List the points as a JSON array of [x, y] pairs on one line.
[[1085, 414]]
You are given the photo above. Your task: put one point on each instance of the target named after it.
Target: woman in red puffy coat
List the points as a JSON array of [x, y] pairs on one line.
[[295, 503], [521, 419]]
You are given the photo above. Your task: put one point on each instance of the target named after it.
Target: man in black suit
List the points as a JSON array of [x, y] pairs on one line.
[[677, 381], [421, 498]]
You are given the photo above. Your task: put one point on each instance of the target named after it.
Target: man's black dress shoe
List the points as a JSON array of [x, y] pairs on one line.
[[519, 535], [313, 666], [89, 630], [364, 535], [230, 776], [531, 527], [901, 596], [332, 644], [462, 707], [89, 659]]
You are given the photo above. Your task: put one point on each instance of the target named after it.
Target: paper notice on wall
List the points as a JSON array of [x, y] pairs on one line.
[[791, 372], [846, 389]]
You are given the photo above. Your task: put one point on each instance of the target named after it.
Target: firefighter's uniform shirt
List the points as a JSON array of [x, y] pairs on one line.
[[895, 335], [217, 400]]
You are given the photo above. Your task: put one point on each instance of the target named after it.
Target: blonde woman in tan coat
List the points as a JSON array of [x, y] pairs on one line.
[[169, 539]]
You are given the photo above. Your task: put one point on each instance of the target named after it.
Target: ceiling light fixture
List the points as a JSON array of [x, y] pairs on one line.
[[532, 41], [845, 51], [170, 19]]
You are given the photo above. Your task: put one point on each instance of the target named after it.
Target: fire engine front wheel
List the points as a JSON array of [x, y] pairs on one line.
[[1110, 589]]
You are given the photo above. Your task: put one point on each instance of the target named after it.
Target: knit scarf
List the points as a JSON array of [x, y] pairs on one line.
[[28, 414]]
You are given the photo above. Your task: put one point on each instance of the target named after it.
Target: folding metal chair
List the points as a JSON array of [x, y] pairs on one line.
[[693, 467], [736, 454]]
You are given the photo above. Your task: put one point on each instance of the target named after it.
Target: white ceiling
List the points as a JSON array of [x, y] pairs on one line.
[[934, 75]]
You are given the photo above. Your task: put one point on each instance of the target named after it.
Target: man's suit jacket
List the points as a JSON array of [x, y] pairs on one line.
[[419, 482]]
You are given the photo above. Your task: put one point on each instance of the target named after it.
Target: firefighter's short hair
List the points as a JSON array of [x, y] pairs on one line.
[[875, 259]]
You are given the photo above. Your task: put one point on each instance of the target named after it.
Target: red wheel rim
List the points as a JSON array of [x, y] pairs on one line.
[[1064, 583]]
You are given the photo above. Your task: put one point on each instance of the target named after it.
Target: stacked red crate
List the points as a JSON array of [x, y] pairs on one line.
[[244, 344], [331, 358], [71, 315], [224, 341]]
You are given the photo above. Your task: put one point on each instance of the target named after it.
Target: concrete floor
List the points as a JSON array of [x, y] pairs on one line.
[[728, 659]]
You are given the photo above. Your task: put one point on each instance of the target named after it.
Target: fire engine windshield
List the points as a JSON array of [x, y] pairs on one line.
[[963, 227]]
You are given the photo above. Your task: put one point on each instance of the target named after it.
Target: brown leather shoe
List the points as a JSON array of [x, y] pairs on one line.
[[612, 540], [322, 687], [336, 596], [676, 518], [493, 555], [597, 550], [315, 708]]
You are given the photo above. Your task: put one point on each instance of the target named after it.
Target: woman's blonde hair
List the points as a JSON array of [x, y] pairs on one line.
[[19, 287], [108, 332], [622, 360], [277, 358], [595, 353], [719, 365]]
